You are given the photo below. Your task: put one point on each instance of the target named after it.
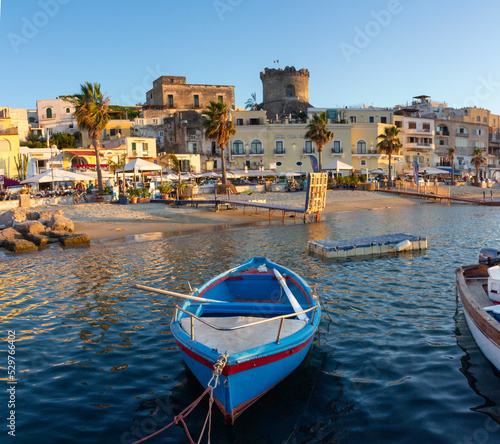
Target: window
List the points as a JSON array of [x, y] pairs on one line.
[[478, 119], [68, 110], [192, 148], [161, 133], [155, 121], [49, 113], [480, 145], [256, 147], [412, 125], [485, 120], [398, 124], [426, 127], [479, 132], [352, 119], [443, 130], [145, 148], [170, 139], [280, 148], [254, 121], [462, 143], [290, 91], [336, 146], [383, 119], [279, 164], [221, 99], [407, 159], [140, 121], [134, 146], [308, 147], [371, 119], [239, 122], [171, 100], [238, 147], [363, 163], [361, 147], [113, 131], [418, 159], [463, 132], [151, 96], [196, 100]]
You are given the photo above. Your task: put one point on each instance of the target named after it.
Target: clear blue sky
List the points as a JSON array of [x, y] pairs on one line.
[[380, 52]]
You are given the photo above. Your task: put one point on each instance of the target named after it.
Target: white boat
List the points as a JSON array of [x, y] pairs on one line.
[[479, 289]]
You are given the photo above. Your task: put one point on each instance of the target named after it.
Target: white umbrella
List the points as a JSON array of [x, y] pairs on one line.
[[210, 174], [431, 170], [59, 176], [338, 165], [377, 171], [291, 174], [140, 165]]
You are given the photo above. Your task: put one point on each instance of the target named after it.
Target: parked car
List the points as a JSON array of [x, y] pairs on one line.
[[238, 182]]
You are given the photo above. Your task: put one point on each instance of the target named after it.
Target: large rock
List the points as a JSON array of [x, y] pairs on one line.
[[58, 222], [39, 239], [11, 233], [75, 239], [56, 234], [30, 227], [20, 245], [12, 216], [44, 216]]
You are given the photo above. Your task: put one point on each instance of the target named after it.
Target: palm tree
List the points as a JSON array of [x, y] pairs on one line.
[[170, 160], [251, 103], [318, 132], [389, 144], [218, 126], [451, 158], [477, 160], [92, 116]]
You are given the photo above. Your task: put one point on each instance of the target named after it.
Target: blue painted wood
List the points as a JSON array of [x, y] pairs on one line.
[[249, 293]]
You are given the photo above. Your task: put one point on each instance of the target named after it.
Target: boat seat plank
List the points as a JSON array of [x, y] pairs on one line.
[[477, 289], [238, 341]]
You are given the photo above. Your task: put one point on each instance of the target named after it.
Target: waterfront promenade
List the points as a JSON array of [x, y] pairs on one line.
[[108, 221]]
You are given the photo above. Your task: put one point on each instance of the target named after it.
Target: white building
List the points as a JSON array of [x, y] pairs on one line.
[[56, 115]]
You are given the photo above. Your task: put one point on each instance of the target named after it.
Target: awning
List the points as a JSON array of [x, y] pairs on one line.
[[84, 153]]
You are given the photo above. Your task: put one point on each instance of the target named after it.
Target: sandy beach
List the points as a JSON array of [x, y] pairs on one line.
[[110, 221], [104, 221]]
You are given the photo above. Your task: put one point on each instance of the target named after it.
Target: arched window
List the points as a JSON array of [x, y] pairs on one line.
[[68, 110], [462, 131], [256, 147], [49, 113], [485, 120], [290, 91], [361, 147], [238, 147]]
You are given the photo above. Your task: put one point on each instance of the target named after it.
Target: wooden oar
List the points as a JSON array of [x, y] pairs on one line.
[[177, 295], [295, 304]]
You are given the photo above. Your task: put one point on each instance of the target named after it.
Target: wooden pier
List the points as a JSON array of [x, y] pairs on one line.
[[490, 203]]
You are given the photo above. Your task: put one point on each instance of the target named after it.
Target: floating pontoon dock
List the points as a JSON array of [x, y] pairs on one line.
[[364, 246]]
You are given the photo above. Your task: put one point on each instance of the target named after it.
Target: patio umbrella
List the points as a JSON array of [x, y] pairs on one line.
[[59, 176], [291, 174], [338, 165]]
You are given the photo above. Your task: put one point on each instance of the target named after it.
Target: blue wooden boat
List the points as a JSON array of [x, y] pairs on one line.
[[264, 319]]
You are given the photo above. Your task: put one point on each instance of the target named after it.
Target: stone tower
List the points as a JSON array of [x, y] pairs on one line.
[[285, 92]]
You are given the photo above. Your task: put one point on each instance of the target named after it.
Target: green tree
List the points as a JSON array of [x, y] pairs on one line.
[[451, 158], [218, 126], [92, 116], [22, 162], [251, 103], [170, 160], [477, 160], [318, 132], [63, 140], [390, 145]]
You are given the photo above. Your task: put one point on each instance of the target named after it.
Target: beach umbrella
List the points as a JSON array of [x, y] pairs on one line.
[[59, 176], [139, 166]]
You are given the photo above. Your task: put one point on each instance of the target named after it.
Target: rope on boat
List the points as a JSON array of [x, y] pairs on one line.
[[218, 367]]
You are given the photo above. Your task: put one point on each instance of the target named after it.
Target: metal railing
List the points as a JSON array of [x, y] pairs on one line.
[[239, 327]]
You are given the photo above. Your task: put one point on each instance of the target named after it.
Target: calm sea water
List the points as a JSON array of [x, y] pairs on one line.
[[393, 362]]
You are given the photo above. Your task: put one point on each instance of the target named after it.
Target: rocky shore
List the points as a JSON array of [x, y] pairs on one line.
[[23, 230]]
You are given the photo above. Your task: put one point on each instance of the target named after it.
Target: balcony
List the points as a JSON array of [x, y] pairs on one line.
[[442, 133], [236, 153], [280, 152], [457, 134], [418, 131], [257, 152], [53, 117], [419, 146], [309, 152]]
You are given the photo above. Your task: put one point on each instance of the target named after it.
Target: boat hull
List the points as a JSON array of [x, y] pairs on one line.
[[484, 329], [242, 384]]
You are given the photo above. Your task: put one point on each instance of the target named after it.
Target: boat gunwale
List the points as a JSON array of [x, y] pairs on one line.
[[484, 322]]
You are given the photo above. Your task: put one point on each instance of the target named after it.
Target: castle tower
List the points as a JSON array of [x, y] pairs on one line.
[[285, 91]]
